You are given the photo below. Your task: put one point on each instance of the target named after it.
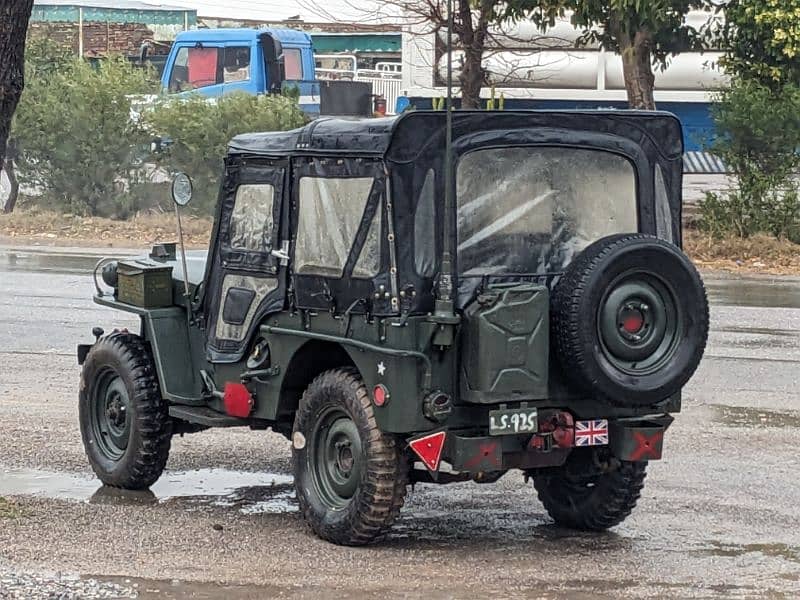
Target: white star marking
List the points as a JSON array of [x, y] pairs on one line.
[[381, 368]]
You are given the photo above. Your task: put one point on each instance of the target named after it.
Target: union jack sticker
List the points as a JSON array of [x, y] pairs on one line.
[[591, 433]]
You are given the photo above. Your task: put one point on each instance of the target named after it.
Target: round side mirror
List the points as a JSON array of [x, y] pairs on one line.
[[182, 189]]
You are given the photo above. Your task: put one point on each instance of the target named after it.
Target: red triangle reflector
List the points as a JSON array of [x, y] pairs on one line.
[[429, 449]]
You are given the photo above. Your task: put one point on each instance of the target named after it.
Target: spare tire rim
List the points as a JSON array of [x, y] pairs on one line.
[[335, 457], [639, 323]]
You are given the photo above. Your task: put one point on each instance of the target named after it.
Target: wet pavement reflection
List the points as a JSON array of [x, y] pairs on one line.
[[742, 416], [250, 493], [761, 292]]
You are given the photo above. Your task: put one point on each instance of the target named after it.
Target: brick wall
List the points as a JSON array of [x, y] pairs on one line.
[[98, 38]]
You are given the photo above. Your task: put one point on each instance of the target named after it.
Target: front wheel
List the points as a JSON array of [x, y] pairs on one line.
[[350, 477], [588, 494], [124, 421]]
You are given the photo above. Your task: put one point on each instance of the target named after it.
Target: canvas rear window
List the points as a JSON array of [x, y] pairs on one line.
[[533, 209], [330, 214]]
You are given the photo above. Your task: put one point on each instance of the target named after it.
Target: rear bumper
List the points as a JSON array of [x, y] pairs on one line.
[[630, 439]]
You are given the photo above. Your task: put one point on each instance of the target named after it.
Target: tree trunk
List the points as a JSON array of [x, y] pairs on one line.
[[471, 78], [14, 16], [8, 168], [637, 68]]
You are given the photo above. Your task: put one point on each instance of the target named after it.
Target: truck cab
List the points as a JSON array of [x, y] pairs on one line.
[[216, 62]]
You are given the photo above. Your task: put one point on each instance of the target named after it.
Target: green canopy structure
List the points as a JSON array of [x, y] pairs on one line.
[[108, 11], [356, 43]]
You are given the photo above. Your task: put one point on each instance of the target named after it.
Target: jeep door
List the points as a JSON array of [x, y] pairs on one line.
[[247, 279]]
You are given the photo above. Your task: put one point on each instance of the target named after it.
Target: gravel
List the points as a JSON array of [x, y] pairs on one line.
[[26, 585]]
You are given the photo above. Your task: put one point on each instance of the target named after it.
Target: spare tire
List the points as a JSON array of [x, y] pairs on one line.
[[630, 320]]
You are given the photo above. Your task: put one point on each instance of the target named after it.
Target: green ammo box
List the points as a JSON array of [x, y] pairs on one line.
[[144, 283]]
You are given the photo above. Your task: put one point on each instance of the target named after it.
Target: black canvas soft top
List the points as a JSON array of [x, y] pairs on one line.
[[324, 135], [402, 137]]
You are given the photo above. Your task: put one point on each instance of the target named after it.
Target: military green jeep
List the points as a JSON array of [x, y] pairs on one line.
[[403, 318]]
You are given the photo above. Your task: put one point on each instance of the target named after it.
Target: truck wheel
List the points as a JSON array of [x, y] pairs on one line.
[[630, 319], [350, 477], [124, 421], [580, 495]]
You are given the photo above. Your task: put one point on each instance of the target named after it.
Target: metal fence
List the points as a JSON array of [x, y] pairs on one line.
[[385, 78]]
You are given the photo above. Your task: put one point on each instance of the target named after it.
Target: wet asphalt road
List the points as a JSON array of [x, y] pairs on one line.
[[719, 516]]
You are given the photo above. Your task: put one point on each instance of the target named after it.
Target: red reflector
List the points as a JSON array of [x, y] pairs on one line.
[[380, 395], [238, 401], [633, 322], [429, 449]]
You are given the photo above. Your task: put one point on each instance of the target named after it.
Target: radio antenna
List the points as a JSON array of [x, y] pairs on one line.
[[446, 275]]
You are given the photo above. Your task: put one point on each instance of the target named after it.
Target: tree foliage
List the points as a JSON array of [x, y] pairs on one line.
[[763, 40], [472, 34], [758, 122], [198, 131], [74, 134], [758, 137], [644, 32]]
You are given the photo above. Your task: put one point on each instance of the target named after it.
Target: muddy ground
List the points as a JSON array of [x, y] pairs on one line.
[[718, 517]]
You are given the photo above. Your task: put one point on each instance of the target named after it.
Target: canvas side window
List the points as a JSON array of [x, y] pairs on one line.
[[425, 250], [369, 261], [330, 213], [252, 218], [663, 210]]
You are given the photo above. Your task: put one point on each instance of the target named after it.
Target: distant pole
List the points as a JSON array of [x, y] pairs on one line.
[[80, 31]]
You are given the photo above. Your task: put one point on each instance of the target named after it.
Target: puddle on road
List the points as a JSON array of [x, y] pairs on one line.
[[790, 553], [250, 493], [34, 261], [754, 292], [742, 416], [787, 333]]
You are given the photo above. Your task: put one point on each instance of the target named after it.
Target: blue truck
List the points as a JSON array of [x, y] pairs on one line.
[[215, 62]]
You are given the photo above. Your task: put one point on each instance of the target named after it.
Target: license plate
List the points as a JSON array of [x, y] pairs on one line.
[[513, 420]]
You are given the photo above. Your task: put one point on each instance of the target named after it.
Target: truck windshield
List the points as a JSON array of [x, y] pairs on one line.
[[533, 209], [198, 67]]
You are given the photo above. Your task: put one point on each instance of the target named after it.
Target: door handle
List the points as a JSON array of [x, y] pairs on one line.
[[283, 254]]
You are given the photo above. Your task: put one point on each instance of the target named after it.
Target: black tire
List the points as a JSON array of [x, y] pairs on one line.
[[579, 495], [354, 501], [653, 283], [125, 423]]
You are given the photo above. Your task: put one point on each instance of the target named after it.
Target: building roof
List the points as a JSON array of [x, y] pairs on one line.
[[114, 11], [365, 12]]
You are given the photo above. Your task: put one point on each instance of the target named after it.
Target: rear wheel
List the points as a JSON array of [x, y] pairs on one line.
[[588, 494], [350, 477], [124, 421]]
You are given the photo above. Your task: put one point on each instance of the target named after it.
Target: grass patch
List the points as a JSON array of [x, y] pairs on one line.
[[9, 510], [52, 228], [756, 254]]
